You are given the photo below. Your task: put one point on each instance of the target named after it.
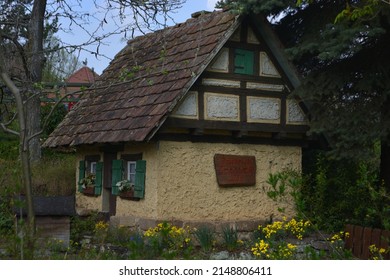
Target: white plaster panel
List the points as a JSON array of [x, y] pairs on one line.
[[221, 107], [262, 86], [221, 83], [295, 114], [221, 62], [262, 109], [189, 107], [267, 68], [252, 39]]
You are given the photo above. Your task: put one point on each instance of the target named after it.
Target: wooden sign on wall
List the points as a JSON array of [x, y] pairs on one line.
[[233, 170]]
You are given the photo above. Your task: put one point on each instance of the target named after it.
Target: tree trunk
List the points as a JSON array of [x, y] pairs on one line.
[[33, 124], [36, 63]]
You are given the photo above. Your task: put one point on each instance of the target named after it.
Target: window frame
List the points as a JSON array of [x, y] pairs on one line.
[[90, 164], [130, 158]]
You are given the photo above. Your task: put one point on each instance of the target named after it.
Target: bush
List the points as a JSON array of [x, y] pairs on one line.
[[334, 193]]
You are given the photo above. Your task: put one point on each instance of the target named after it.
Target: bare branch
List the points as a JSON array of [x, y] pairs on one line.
[[7, 130]]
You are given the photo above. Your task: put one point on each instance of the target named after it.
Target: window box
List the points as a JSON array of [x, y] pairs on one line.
[[89, 190], [129, 194]]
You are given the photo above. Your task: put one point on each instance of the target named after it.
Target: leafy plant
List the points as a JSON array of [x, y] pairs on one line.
[[230, 238], [205, 237], [286, 184], [168, 241], [82, 226]]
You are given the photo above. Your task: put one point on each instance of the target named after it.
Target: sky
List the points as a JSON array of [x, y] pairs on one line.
[[114, 44]]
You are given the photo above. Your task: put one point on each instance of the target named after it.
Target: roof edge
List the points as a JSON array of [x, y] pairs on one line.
[[276, 47]]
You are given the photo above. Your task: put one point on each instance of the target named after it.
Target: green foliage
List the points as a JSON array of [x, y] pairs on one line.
[[168, 241], [94, 239], [285, 184], [230, 238], [129, 74], [6, 216], [54, 120], [340, 192], [82, 226], [205, 237], [9, 149], [333, 193]]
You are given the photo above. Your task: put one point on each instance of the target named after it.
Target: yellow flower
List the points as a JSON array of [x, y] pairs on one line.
[[101, 226], [291, 246]]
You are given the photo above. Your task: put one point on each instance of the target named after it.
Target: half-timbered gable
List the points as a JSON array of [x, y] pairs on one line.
[[242, 92]]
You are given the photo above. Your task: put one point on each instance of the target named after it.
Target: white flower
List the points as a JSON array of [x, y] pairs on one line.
[[124, 185]]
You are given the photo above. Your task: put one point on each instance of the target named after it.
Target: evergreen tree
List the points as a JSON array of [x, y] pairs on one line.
[[341, 50]]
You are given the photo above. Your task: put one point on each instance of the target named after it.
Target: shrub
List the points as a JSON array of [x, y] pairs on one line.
[[337, 192]]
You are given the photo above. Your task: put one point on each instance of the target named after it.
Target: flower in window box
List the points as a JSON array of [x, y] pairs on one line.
[[126, 189], [125, 185], [88, 181]]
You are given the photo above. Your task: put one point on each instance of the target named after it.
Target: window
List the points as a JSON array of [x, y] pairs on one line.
[[132, 168], [244, 62], [130, 171], [90, 174], [91, 162], [92, 168]]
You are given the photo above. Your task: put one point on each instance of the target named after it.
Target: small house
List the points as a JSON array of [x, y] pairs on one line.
[[186, 124]]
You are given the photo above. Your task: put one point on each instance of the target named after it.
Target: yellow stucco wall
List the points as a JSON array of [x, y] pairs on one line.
[[188, 189], [181, 183]]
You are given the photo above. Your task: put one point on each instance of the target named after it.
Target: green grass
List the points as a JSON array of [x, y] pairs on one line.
[[53, 175]]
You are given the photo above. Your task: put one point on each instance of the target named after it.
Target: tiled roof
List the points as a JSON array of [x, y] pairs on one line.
[[83, 75], [144, 82]]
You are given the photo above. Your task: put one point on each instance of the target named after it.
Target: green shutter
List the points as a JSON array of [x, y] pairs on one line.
[[117, 167], [243, 61], [139, 186], [99, 178], [81, 174]]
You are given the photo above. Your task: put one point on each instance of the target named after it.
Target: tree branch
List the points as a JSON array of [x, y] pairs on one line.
[[7, 130]]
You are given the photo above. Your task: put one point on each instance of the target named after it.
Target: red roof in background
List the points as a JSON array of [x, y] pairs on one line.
[[83, 75]]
